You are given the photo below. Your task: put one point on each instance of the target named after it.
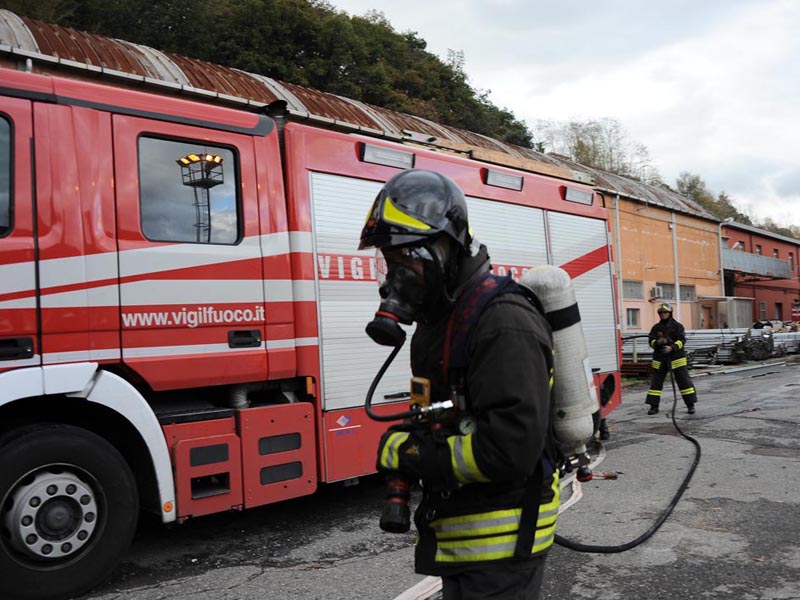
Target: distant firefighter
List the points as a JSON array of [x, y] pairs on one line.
[[667, 339]]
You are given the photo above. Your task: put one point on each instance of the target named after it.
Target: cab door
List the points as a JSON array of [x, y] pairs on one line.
[[19, 343], [191, 292]]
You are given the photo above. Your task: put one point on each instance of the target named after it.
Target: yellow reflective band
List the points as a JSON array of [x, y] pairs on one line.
[[491, 548], [462, 459], [687, 391], [547, 517], [369, 214], [548, 512], [392, 214], [654, 392], [656, 364], [679, 362], [390, 459], [495, 522], [679, 344], [653, 343], [545, 543]]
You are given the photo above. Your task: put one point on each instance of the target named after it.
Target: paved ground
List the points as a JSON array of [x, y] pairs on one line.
[[735, 535]]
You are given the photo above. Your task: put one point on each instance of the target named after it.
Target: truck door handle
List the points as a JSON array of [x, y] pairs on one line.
[[244, 338], [14, 348]]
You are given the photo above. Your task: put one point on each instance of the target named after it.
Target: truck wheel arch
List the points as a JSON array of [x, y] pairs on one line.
[[86, 381]]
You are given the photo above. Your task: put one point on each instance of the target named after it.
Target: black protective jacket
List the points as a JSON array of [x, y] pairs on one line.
[[489, 450], [667, 332]]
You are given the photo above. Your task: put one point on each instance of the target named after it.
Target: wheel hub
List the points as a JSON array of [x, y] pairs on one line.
[[50, 514]]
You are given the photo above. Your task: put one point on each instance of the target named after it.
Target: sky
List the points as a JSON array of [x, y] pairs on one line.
[[710, 87]]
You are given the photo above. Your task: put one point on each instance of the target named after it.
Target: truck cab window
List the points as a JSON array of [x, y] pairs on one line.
[[188, 192], [5, 177]]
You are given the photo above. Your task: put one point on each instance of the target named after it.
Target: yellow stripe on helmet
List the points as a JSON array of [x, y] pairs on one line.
[[392, 214]]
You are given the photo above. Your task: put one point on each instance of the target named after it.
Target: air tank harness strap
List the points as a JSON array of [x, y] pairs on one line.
[[465, 317], [563, 317], [462, 322]]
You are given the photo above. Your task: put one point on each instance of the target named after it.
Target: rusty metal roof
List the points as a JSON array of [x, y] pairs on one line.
[[52, 47], [637, 190]]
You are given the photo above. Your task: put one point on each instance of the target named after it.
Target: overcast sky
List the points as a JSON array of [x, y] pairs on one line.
[[711, 86]]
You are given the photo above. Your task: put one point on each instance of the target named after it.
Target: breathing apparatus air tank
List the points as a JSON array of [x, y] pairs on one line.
[[574, 393]]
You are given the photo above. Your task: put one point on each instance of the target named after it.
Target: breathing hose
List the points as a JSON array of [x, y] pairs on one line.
[[378, 376], [598, 549]]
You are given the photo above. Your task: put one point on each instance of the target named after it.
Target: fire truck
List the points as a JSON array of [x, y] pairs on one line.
[[182, 307]]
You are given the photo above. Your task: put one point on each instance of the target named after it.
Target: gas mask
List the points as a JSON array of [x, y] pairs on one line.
[[412, 287]]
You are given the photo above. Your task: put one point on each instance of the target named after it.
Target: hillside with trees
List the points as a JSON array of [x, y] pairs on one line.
[[305, 42], [313, 44]]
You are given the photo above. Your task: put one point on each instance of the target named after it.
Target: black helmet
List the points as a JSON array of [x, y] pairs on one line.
[[664, 307], [415, 206]]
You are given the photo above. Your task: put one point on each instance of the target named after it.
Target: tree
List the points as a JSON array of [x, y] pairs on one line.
[[722, 206], [52, 11], [600, 143], [305, 42]]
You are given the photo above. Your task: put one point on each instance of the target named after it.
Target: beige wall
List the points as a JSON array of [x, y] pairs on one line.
[[642, 236]]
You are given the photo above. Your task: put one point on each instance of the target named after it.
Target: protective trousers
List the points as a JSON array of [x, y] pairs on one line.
[[498, 582], [680, 372]]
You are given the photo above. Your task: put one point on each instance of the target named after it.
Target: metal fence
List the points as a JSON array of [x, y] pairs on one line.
[[715, 346]]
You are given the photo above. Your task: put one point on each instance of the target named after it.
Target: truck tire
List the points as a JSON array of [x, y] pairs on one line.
[[68, 511]]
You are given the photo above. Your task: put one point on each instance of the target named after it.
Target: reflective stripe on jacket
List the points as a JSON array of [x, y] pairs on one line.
[[492, 535]]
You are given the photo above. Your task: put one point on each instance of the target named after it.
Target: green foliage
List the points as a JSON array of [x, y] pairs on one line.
[[305, 42], [310, 43], [52, 11], [694, 187]]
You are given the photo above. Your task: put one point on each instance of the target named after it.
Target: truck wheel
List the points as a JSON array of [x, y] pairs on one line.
[[68, 511]]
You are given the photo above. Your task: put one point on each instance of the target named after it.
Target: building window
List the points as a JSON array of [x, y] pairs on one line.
[[739, 246], [667, 290], [758, 249], [632, 318], [762, 311], [775, 253], [779, 311], [632, 290], [5, 177], [687, 293], [791, 261], [188, 192]]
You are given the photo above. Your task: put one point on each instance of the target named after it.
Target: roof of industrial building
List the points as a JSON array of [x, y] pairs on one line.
[[51, 47], [761, 232]]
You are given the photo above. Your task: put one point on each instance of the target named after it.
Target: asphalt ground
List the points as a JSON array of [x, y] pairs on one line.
[[735, 533]]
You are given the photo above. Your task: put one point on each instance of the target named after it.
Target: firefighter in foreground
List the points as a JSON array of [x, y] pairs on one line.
[[667, 339], [490, 491]]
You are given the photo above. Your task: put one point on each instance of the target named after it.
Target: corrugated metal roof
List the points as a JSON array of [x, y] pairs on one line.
[[636, 190], [14, 32], [329, 106], [55, 45], [762, 232]]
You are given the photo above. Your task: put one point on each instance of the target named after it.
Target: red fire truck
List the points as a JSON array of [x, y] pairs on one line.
[[182, 309]]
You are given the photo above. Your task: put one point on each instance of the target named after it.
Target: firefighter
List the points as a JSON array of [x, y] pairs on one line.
[[667, 339], [490, 492]]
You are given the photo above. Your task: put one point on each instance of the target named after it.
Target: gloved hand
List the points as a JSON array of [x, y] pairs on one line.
[[416, 453], [399, 450], [666, 349]]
